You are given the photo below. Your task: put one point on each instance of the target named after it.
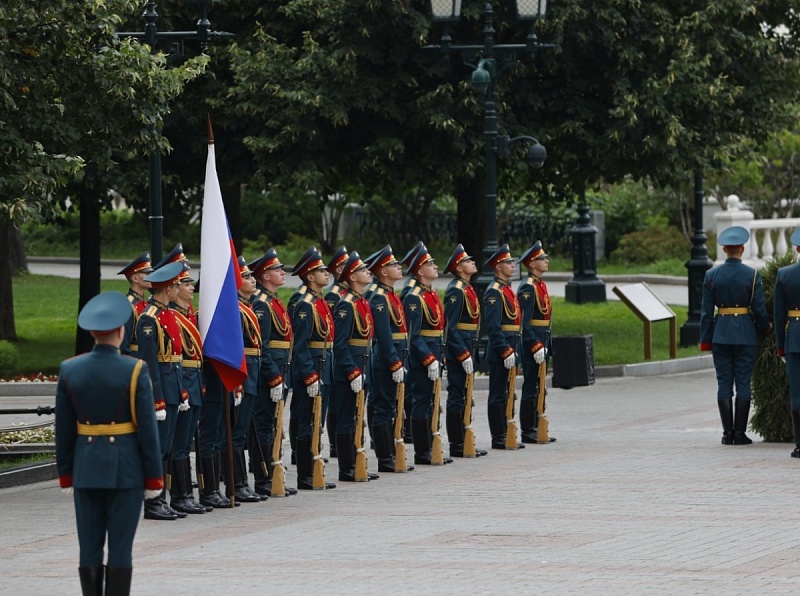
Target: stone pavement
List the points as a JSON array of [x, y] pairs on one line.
[[636, 497]]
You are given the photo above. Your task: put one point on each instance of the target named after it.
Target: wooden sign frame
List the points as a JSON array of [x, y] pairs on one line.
[[650, 309]]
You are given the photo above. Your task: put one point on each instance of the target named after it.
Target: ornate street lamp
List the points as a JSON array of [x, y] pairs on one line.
[[492, 60], [151, 36], [697, 265]]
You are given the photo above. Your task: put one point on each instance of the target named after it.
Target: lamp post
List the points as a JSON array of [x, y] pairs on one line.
[[697, 265], [584, 287], [488, 61], [151, 36]]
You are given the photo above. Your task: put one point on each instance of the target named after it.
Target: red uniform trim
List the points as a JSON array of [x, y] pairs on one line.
[[154, 483], [65, 481]]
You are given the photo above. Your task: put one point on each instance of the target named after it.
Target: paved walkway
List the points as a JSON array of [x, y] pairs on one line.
[[636, 497]]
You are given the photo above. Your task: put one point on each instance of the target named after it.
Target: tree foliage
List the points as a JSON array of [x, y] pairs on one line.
[[75, 100], [772, 418]]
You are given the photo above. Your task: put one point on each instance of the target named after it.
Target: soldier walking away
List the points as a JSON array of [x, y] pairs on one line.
[[107, 448], [736, 291]]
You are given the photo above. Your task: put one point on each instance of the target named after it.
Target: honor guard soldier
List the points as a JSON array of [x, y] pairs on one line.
[[462, 311], [247, 395], [503, 317], [736, 291], [159, 338], [336, 291], [135, 272], [534, 300], [312, 322], [277, 336], [181, 491], [787, 333], [352, 351], [107, 448], [301, 291], [425, 320], [410, 284], [388, 355]]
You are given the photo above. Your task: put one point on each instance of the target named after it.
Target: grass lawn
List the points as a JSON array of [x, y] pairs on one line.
[[46, 310]]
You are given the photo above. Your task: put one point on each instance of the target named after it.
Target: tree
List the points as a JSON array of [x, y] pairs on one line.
[[76, 100], [339, 92]]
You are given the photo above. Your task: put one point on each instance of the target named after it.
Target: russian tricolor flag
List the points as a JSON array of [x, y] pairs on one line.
[[220, 325]]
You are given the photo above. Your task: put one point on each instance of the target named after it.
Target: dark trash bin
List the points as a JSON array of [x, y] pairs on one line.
[[573, 361]]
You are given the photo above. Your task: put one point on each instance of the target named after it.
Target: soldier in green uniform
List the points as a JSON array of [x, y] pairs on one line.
[[107, 447]]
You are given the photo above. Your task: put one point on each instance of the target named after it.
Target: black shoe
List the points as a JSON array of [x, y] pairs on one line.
[[155, 509], [481, 452], [180, 514], [346, 477], [243, 495], [796, 452], [385, 466], [372, 476], [741, 439], [727, 438], [186, 505], [498, 443], [528, 437], [215, 501]]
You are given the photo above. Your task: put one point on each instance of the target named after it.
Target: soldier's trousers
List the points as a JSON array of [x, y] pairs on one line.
[[212, 429], [101, 512], [244, 417], [184, 432], [166, 430], [530, 382], [498, 384], [383, 397], [421, 393], [734, 365], [456, 387], [793, 372]]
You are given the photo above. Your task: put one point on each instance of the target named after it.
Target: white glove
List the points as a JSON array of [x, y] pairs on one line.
[[399, 375], [313, 389], [276, 393], [67, 491], [357, 384], [539, 355], [510, 361], [468, 365], [783, 359], [433, 370], [151, 494], [161, 415], [184, 405]]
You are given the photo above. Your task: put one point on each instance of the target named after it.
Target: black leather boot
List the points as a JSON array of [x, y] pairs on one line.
[[262, 483], [293, 425], [208, 480], [155, 509], [192, 485], [454, 421], [346, 449], [221, 475], [796, 427], [527, 420], [741, 416], [180, 492], [726, 416], [118, 581], [382, 436], [242, 492], [168, 479], [330, 423], [497, 426], [91, 580], [421, 433], [305, 463]]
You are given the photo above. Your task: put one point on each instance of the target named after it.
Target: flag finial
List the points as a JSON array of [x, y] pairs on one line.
[[210, 130]]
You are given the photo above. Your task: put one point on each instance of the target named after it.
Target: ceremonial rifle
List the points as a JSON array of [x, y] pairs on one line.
[[400, 464], [361, 474], [541, 433], [511, 429], [469, 433], [278, 469], [318, 478], [437, 451]]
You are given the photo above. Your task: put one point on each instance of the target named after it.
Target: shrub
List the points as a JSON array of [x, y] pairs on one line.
[[772, 418], [9, 359], [650, 245]]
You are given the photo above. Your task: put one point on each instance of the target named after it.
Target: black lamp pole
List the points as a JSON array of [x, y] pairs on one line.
[[492, 60], [697, 266], [150, 36], [584, 287]]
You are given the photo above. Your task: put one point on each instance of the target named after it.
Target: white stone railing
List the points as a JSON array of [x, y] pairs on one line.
[[768, 237]]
